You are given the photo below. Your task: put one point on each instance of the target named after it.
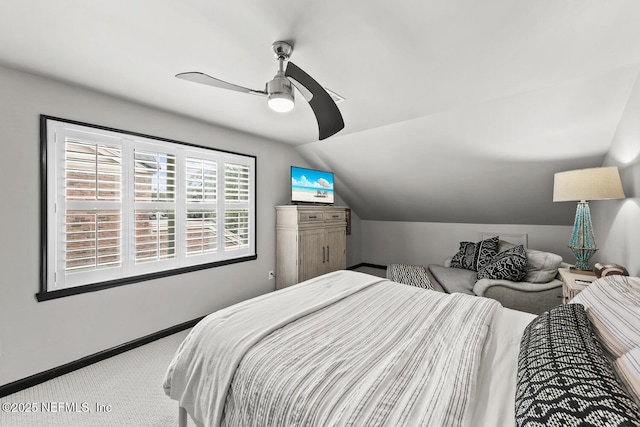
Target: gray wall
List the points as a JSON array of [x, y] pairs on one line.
[[386, 242], [617, 222], [38, 336], [354, 241]]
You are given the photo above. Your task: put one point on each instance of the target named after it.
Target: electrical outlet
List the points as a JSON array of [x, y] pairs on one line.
[[272, 275]]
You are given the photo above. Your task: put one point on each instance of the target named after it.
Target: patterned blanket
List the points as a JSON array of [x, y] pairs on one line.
[[564, 377], [413, 275], [377, 353]]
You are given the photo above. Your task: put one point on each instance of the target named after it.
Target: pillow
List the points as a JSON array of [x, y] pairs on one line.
[[464, 257], [474, 256], [564, 377], [613, 306], [412, 275], [628, 367], [542, 267], [507, 265]]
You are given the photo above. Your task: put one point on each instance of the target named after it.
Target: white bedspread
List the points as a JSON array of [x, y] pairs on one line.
[[342, 349]]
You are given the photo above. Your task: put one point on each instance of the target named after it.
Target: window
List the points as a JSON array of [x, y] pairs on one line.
[[121, 207]]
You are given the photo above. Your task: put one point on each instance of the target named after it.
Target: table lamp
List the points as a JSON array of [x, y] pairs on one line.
[[583, 185]]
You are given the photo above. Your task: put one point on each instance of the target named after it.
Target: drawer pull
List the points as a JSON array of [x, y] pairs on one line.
[[312, 217]]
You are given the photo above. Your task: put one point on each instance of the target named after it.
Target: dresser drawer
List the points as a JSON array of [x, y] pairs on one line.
[[310, 216], [334, 216]]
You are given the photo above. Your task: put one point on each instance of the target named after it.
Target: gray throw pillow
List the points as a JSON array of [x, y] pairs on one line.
[[542, 267], [507, 265]]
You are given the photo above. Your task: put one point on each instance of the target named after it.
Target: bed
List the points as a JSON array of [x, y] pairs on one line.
[[347, 348]]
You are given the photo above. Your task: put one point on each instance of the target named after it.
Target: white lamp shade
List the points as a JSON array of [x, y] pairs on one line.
[[587, 184]]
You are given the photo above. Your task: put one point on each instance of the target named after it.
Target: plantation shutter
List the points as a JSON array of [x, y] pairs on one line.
[[124, 207], [155, 205], [88, 202], [201, 231], [236, 203]]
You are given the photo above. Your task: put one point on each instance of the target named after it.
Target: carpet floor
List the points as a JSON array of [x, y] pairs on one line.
[[124, 390]]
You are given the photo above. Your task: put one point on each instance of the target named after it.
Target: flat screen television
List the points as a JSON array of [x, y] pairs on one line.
[[311, 186]]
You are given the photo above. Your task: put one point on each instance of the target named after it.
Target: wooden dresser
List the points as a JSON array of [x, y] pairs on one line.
[[310, 241]]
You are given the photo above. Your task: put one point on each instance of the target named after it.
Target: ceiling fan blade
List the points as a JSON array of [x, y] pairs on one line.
[[306, 94], [206, 79], [327, 113]]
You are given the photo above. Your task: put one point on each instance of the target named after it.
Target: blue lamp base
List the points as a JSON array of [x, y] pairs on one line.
[[583, 242]]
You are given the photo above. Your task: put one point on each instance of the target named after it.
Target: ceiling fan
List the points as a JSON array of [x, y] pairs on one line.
[[279, 90]]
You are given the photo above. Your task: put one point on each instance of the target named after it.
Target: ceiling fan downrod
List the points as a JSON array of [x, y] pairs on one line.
[[280, 89]]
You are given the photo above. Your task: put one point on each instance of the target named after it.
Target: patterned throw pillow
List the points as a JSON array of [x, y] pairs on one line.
[[564, 377], [474, 256], [507, 265], [464, 257]]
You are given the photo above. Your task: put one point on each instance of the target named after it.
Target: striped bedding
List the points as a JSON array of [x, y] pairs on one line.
[[342, 349], [613, 307]]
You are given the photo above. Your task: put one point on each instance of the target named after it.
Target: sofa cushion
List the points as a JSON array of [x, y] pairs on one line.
[[454, 279], [542, 267], [474, 256], [508, 265]]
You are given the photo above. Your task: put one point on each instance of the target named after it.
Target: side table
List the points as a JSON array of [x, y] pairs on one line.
[[574, 281]]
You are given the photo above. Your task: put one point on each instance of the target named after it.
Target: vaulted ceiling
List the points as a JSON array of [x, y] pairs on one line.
[[455, 111]]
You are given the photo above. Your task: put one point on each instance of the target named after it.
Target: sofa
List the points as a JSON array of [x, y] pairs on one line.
[[537, 287]]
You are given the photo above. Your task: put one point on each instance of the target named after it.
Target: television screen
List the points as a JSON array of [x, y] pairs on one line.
[[311, 186]]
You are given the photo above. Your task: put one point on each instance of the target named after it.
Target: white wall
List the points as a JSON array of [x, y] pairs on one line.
[[387, 242], [38, 336], [617, 222]]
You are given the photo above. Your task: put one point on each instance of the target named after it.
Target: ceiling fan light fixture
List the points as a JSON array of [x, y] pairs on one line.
[[280, 93], [281, 103]]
